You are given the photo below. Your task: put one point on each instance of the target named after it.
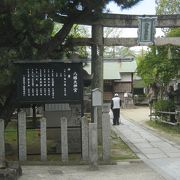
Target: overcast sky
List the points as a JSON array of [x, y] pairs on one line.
[[143, 7]]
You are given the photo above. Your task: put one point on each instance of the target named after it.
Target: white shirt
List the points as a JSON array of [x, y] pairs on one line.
[[125, 95], [116, 102]]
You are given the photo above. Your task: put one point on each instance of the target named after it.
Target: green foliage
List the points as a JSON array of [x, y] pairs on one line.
[[175, 32], [29, 30], [168, 7], [120, 150], [164, 105], [155, 67], [173, 131], [126, 4], [6, 69], [77, 31], [161, 63], [56, 29], [144, 71]]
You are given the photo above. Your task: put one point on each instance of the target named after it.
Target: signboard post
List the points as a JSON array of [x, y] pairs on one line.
[[96, 101], [58, 85]]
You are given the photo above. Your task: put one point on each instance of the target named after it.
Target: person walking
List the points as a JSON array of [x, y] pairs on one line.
[[125, 99], [115, 106]]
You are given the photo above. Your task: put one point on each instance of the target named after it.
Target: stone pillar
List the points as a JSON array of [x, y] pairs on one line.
[[22, 136], [43, 139], [97, 69], [64, 140], [95, 114], [2, 142], [85, 138], [93, 146], [106, 136]]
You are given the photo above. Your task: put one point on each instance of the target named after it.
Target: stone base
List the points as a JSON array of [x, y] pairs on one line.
[[12, 171]]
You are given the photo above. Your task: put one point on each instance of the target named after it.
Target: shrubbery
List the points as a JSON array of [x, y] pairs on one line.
[[164, 105]]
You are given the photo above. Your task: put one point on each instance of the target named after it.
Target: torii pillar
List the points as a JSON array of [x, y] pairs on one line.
[[97, 69]]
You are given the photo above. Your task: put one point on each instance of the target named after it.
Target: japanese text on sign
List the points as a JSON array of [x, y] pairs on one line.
[[38, 82]]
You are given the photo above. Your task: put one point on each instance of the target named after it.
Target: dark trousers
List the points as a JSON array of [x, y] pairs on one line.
[[116, 114]]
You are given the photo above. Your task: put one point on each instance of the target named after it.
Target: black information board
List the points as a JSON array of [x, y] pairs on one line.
[[50, 82]]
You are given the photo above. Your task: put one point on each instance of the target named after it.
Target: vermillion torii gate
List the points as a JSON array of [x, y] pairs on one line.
[[97, 42]]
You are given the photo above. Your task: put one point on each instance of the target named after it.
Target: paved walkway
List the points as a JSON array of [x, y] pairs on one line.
[[121, 171], [160, 154]]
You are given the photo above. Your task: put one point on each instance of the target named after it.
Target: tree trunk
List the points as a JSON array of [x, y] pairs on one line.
[[9, 106], [58, 39]]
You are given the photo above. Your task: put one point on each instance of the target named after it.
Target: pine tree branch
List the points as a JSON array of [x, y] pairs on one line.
[[59, 38]]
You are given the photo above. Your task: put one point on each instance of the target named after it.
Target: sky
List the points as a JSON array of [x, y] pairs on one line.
[[143, 7]]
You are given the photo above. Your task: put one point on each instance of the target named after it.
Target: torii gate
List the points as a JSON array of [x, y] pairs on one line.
[[97, 42]]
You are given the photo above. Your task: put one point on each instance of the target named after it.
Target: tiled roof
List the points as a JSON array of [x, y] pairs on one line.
[[112, 69]]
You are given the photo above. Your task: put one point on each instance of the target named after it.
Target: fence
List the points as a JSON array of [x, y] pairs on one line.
[[166, 117], [89, 139]]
